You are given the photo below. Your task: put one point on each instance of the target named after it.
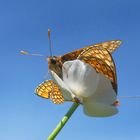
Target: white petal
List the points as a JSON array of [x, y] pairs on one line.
[[67, 94], [99, 109], [80, 77], [104, 92], [100, 103]]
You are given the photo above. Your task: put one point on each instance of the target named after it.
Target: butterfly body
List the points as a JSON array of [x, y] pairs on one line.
[[97, 56], [55, 64]]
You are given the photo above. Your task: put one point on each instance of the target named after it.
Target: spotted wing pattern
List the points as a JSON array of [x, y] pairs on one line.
[[48, 89], [99, 53], [109, 45], [102, 61]]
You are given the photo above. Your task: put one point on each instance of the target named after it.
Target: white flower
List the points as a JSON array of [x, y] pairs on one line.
[[93, 89]]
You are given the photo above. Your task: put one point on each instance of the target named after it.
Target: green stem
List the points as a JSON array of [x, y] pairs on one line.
[[63, 121]]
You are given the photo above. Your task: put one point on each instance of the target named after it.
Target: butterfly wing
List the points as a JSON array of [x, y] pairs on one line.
[[99, 53], [102, 61], [111, 46], [48, 89]]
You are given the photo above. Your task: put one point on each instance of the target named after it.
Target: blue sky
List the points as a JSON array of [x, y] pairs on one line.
[[74, 24]]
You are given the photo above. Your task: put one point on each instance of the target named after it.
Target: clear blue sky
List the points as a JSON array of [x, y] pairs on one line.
[[75, 24]]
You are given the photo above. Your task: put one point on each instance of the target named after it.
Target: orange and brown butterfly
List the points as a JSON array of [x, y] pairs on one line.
[[97, 55]]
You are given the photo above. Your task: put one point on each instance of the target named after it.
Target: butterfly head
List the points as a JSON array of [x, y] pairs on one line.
[[55, 64], [52, 60]]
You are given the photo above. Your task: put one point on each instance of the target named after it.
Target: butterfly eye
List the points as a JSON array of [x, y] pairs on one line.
[[53, 61]]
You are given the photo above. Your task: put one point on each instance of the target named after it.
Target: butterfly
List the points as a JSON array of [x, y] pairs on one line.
[[98, 56]]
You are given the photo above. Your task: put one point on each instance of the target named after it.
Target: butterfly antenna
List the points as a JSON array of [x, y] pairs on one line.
[[130, 97], [50, 43], [33, 54]]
